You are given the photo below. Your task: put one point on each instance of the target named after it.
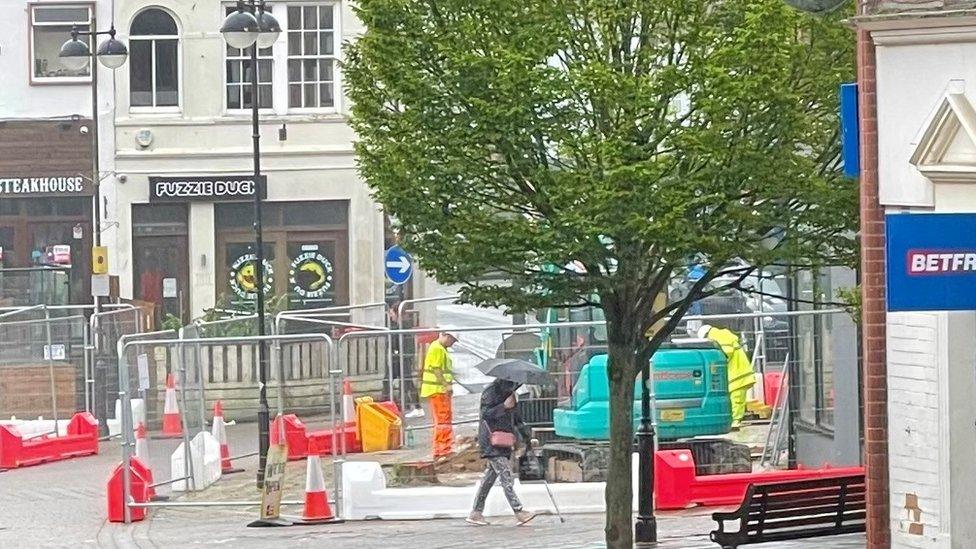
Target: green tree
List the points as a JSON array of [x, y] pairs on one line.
[[515, 140]]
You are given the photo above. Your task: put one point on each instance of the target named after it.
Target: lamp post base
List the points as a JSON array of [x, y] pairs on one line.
[[645, 530]]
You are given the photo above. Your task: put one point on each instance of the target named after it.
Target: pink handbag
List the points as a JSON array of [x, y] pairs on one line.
[[502, 439]]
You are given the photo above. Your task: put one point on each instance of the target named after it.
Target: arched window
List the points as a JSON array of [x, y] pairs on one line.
[[154, 51]]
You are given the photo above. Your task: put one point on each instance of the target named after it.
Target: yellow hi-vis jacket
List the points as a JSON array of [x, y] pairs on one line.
[[741, 375], [437, 359]]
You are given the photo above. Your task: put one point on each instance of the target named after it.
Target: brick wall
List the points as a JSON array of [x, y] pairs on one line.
[[57, 146], [25, 390], [913, 406], [874, 367]]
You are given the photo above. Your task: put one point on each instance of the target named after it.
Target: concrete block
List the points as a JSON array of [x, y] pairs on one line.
[[366, 497]]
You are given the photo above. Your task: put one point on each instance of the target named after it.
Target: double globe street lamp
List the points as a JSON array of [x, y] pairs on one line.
[[252, 27], [112, 54]]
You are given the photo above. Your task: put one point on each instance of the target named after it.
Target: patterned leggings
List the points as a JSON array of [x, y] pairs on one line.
[[497, 468]]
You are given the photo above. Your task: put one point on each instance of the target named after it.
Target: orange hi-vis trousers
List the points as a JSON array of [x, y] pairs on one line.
[[440, 405]]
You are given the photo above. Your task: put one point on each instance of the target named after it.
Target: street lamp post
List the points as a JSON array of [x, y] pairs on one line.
[[645, 529], [251, 26], [75, 54]]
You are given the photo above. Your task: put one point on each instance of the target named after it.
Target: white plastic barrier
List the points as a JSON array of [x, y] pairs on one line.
[[366, 497], [31, 428], [205, 455], [138, 416]]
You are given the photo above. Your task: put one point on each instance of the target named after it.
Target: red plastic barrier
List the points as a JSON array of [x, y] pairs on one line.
[[146, 473], [391, 406], [81, 440], [771, 383], [297, 437], [139, 491], [676, 486]]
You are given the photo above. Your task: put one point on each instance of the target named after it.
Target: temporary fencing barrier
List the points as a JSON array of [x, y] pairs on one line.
[[199, 471], [43, 366], [536, 405]]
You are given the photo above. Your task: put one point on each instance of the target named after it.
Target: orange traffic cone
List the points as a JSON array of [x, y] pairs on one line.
[[142, 448], [219, 432], [172, 423], [317, 508]]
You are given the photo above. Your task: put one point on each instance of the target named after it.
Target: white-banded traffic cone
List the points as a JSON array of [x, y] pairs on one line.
[[172, 423], [352, 421], [219, 432], [348, 404], [142, 445], [317, 508]]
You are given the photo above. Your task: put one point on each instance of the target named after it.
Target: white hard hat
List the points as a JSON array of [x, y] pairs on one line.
[[451, 334], [703, 331]]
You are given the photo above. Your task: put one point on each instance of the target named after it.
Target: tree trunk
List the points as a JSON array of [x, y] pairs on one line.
[[619, 491]]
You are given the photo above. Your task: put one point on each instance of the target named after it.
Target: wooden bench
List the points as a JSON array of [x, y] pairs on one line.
[[795, 510]]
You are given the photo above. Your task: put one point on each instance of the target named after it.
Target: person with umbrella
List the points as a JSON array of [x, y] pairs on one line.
[[500, 421]]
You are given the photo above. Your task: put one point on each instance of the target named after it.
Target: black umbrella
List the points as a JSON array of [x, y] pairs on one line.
[[513, 369]]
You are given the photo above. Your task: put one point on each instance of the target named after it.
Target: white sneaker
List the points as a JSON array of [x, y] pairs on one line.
[[416, 412]]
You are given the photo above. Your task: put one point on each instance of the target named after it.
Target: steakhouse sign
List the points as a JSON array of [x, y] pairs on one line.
[[931, 262], [204, 188]]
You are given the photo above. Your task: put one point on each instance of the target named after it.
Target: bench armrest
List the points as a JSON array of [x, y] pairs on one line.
[[719, 517]]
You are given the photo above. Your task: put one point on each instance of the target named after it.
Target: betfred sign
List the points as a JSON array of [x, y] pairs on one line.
[[204, 188], [921, 262], [931, 262]]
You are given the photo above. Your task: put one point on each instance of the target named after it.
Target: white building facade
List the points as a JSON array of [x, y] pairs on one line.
[[182, 198], [926, 163]]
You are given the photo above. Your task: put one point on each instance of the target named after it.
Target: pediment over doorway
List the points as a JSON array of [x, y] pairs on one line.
[[946, 152]]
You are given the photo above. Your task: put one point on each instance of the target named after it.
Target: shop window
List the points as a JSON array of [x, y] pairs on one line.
[[238, 76], [306, 253], [311, 56], [50, 28], [823, 343], [154, 75]]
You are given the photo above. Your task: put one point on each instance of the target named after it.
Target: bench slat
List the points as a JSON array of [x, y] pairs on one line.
[[815, 502], [850, 516], [792, 495], [805, 511], [804, 534]]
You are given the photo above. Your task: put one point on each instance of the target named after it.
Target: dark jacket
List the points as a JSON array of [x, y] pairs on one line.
[[495, 417]]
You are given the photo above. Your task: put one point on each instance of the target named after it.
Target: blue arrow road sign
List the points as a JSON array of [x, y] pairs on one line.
[[399, 265]]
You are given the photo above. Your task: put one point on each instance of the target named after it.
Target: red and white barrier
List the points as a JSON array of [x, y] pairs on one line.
[[17, 451]]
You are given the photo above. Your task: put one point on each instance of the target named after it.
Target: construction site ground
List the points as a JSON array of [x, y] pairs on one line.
[[63, 504]]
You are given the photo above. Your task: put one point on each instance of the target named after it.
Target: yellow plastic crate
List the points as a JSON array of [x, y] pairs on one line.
[[380, 428]]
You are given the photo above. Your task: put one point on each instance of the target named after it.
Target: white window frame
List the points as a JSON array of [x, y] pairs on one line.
[[178, 108], [31, 24], [275, 76], [336, 57]]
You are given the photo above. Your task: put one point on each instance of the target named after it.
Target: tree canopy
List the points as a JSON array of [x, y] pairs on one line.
[[553, 152]]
